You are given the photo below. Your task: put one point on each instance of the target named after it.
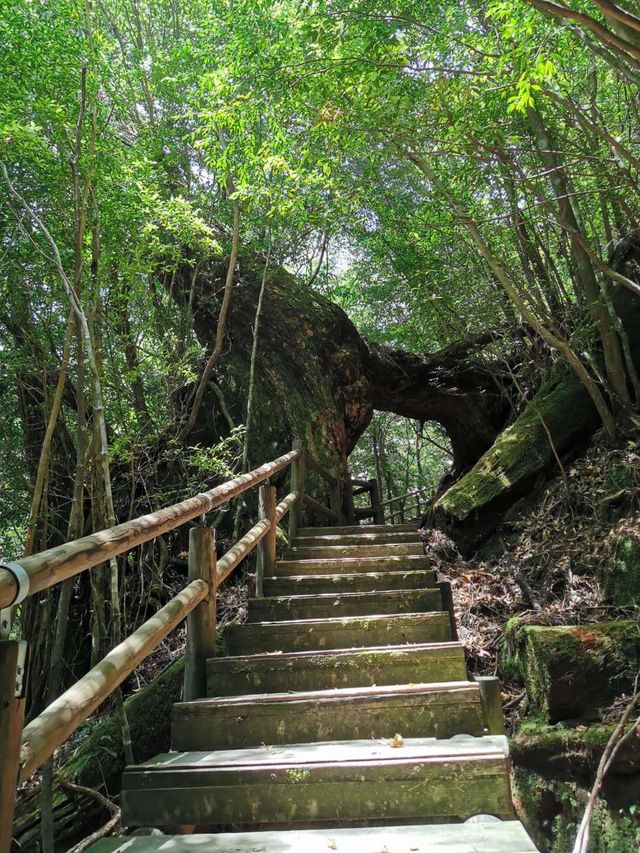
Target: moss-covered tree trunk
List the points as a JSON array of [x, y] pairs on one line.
[[556, 424], [319, 380]]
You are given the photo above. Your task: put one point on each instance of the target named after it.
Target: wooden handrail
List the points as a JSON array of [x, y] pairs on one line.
[[404, 497], [285, 504], [240, 550], [57, 564], [59, 720], [320, 469], [196, 601], [321, 509], [43, 735]]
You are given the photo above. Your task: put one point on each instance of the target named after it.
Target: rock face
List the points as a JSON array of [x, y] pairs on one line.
[[573, 672]]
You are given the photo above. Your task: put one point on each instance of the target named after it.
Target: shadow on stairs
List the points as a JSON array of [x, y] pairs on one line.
[[339, 717]]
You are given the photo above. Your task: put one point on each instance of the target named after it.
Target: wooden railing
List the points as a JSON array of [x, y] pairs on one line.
[[394, 514], [22, 751], [373, 511]]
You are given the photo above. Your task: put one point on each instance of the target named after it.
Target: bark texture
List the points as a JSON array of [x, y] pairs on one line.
[[319, 380]]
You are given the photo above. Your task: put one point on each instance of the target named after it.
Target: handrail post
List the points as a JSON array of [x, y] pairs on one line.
[[376, 507], [297, 485], [12, 664], [201, 622], [335, 497], [349, 511], [266, 559]]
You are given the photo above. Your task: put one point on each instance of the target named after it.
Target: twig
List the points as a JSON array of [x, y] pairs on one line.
[[610, 751], [82, 791], [97, 835], [527, 593]]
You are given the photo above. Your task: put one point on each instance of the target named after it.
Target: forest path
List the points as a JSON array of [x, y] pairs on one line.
[[340, 717]]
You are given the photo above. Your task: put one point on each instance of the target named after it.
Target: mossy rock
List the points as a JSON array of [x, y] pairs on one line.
[[621, 574], [573, 672], [551, 810], [571, 751]]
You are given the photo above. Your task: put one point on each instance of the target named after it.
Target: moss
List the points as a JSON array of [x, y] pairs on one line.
[[572, 671], [99, 757], [621, 574], [551, 811], [523, 450]]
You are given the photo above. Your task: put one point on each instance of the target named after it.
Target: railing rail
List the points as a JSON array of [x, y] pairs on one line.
[[57, 564], [22, 751]]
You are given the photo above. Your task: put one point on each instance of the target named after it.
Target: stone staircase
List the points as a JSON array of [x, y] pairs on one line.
[[296, 747]]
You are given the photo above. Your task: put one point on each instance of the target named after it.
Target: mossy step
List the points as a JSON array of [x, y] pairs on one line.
[[382, 665], [346, 632], [350, 565], [325, 783], [487, 836], [364, 582], [416, 710], [336, 552], [353, 529], [328, 605], [391, 537]]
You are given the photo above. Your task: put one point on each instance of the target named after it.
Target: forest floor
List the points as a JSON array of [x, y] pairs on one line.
[[545, 567]]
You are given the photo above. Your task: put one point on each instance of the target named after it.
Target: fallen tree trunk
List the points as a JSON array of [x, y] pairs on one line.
[[556, 424]]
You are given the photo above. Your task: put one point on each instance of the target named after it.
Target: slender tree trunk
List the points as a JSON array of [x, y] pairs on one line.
[[220, 329], [614, 362], [246, 447], [505, 279]]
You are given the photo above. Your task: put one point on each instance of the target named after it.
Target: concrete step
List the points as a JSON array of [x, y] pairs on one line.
[[357, 528], [480, 836], [329, 605], [345, 632], [350, 565], [321, 783], [336, 552], [415, 710], [388, 538], [382, 665], [363, 582]]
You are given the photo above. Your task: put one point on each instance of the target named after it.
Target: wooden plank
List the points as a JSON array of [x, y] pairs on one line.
[[328, 604], [488, 836], [341, 582], [338, 668], [267, 548], [56, 564], [43, 735], [416, 710], [354, 539], [12, 656], [201, 622], [350, 565], [321, 509], [387, 549], [343, 633], [333, 782]]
